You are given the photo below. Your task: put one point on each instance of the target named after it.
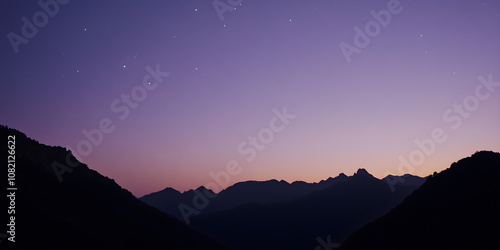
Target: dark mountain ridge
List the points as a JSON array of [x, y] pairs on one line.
[[84, 211], [457, 208]]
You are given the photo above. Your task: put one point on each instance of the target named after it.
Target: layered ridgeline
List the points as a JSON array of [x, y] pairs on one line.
[[204, 201], [279, 215], [459, 208], [84, 211]]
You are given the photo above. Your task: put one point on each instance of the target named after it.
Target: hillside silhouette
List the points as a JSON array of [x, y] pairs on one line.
[[84, 211], [457, 208]]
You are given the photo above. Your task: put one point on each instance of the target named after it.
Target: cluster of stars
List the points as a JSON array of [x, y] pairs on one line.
[[123, 66]]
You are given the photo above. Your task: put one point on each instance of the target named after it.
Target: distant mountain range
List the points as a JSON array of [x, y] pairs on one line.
[[84, 211], [459, 208], [280, 215], [261, 192]]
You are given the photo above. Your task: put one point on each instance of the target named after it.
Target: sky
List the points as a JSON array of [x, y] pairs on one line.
[[287, 90]]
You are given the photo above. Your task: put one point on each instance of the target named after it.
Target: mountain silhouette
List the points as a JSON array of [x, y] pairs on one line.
[[84, 211], [363, 172], [334, 212], [405, 180], [260, 192], [457, 208], [169, 199]]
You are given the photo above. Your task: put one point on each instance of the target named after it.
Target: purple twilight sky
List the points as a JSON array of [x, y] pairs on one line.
[[67, 65]]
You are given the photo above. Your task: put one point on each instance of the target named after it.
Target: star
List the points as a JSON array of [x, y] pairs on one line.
[[77, 71], [195, 9], [195, 68], [124, 66], [84, 29], [289, 20], [421, 35]]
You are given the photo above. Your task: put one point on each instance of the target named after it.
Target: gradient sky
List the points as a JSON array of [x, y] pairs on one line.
[[227, 76]]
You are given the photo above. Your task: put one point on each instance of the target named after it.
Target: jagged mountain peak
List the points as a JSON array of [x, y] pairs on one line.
[[363, 172]]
